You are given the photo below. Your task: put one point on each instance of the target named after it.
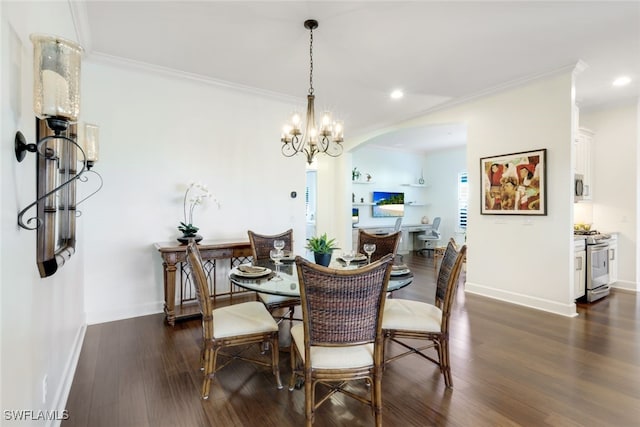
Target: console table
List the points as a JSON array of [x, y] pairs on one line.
[[174, 255]]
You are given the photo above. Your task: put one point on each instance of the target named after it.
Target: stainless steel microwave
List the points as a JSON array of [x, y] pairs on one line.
[[579, 189]]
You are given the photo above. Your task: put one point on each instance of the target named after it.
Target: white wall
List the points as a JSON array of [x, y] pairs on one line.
[[158, 132], [441, 172], [389, 169], [42, 320], [392, 168], [522, 259], [615, 181]]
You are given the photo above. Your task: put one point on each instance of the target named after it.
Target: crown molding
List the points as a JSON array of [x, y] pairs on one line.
[[80, 20], [178, 74]]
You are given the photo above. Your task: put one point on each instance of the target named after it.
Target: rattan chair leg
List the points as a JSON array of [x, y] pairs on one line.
[[294, 375], [376, 399], [445, 365], [309, 401], [209, 371], [275, 361]]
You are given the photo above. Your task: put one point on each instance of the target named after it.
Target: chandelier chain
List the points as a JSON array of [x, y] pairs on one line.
[[311, 62]]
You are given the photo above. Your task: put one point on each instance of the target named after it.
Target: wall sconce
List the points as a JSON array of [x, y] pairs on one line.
[[88, 140], [56, 103]]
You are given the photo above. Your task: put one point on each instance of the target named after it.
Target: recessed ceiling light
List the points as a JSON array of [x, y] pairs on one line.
[[397, 94], [622, 81]]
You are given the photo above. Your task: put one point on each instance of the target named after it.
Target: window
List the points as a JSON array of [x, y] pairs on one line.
[[463, 200]]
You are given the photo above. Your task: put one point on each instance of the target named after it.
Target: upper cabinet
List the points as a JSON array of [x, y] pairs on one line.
[[582, 166]]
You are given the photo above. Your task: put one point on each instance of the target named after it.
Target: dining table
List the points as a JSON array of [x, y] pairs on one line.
[[263, 276]]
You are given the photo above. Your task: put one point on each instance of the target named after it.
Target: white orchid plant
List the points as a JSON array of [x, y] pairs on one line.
[[195, 195]]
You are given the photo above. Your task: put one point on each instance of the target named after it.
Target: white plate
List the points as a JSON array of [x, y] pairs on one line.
[[266, 271], [357, 258], [400, 272]]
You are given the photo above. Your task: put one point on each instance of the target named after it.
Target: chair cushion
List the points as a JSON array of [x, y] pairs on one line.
[[275, 299], [354, 356], [408, 315], [242, 319]]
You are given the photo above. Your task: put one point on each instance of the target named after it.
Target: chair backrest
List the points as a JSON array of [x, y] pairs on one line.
[[261, 244], [385, 244], [447, 283], [343, 307], [435, 227], [436, 223], [398, 224], [202, 289]]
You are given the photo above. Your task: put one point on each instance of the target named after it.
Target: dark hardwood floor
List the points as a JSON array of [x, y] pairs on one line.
[[512, 366]]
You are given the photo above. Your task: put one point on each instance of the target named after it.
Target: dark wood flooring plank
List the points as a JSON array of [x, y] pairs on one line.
[[512, 366]]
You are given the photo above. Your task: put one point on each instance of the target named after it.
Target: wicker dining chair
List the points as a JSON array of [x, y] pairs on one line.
[[340, 338], [385, 244], [230, 326], [261, 245], [415, 320]]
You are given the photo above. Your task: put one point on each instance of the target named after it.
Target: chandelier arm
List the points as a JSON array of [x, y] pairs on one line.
[[326, 143], [337, 154], [291, 148]]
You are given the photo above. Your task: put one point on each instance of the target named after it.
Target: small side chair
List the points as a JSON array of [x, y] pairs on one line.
[[261, 245], [385, 244], [340, 338], [230, 326], [414, 320]]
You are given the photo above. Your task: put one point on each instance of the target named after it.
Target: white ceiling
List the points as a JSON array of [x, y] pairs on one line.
[[437, 52]]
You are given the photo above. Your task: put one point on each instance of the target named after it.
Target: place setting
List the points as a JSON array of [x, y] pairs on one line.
[[252, 272], [351, 258], [399, 270]]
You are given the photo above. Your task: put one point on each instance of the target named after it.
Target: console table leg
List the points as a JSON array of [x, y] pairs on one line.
[[170, 293]]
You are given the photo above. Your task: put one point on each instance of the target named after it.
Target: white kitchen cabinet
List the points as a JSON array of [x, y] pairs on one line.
[[613, 259], [582, 166], [579, 277]]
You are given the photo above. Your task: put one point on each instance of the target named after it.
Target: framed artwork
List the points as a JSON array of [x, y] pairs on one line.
[[514, 184]]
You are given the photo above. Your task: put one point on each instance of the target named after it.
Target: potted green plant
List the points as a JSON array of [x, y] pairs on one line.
[[322, 247]]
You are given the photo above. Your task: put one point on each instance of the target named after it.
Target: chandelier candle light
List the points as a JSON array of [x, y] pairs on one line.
[[328, 138]]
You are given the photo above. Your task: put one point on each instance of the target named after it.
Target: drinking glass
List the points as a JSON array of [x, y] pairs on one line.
[[278, 244], [348, 256], [276, 255], [369, 248]]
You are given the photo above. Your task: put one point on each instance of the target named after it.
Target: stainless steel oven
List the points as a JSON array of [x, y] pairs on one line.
[[597, 269]]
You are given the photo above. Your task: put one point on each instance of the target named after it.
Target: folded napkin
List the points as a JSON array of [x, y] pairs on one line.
[[251, 269], [399, 267]]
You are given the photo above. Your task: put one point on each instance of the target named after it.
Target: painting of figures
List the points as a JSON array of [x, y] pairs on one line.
[[514, 184]]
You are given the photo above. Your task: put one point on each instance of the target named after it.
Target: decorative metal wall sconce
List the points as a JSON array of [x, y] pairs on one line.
[[56, 103], [88, 140]]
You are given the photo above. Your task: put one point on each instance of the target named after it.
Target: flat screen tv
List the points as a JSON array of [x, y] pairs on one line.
[[387, 204]]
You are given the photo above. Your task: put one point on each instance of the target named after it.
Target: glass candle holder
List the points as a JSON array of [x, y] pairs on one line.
[[56, 81]]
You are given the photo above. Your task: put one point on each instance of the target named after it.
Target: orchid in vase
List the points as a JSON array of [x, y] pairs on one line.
[[195, 195]]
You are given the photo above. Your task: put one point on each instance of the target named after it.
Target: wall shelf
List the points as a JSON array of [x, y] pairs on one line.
[[362, 182], [371, 204], [415, 185]]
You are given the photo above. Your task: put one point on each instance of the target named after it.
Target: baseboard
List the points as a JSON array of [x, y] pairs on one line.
[[125, 313], [625, 286], [62, 393], [568, 310]]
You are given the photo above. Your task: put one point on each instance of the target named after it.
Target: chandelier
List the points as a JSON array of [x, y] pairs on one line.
[[328, 138]]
